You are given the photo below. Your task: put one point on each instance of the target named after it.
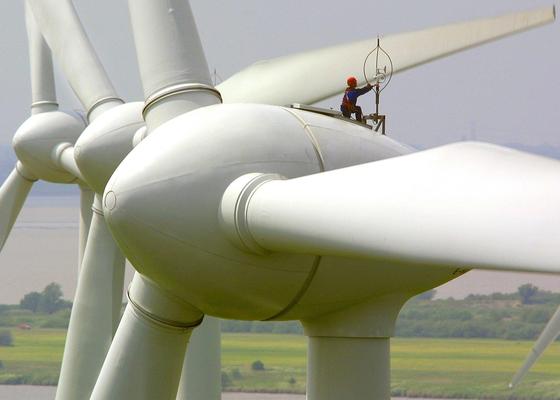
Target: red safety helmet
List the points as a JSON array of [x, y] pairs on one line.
[[352, 81]]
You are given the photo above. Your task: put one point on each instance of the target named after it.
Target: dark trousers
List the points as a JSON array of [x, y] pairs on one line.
[[347, 113]]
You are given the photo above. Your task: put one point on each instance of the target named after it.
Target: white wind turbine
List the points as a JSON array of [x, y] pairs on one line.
[[184, 87], [201, 209], [44, 145], [37, 136], [101, 147]]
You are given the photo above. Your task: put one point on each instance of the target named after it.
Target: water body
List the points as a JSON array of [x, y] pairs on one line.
[[22, 392]]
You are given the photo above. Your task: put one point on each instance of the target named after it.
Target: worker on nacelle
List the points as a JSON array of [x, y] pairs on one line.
[[351, 94]]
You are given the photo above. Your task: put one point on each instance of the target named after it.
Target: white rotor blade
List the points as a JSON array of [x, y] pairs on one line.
[[548, 335], [63, 31], [43, 92], [167, 44], [171, 59], [148, 351], [137, 345], [316, 75], [15, 189], [470, 205], [86, 201], [98, 299], [176, 80], [13, 193], [95, 313], [200, 376]]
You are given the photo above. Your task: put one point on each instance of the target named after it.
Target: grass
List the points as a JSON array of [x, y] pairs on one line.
[[454, 368], [34, 358], [283, 357], [471, 369], [15, 316]]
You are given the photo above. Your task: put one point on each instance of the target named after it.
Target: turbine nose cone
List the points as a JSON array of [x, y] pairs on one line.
[[106, 142], [36, 139], [162, 207]]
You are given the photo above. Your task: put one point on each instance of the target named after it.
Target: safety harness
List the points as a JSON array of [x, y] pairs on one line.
[[346, 101]]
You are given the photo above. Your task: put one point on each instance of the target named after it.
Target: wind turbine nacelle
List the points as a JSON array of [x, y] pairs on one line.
[[37, 139], [106, 142], [162, 205]]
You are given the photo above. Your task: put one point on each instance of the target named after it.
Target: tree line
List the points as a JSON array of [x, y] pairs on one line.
[[519, 315], [514, 316]]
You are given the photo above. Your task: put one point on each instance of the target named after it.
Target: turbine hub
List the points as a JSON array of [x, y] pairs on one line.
[[37, 139], [162, 206], [106, 142]]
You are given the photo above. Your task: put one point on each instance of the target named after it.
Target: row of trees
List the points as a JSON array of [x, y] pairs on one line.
[[48, 301], [519, 315], [515, 316]]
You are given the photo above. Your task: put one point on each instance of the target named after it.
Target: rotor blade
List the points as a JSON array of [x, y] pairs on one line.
[[138, 345], [549, 335], [316, 75], [43, 92], [13, 193], [63, 31], [168, 45], [86, 200], [152, 346], [470, 205], [200, 377], [171, 58], [95, 313]]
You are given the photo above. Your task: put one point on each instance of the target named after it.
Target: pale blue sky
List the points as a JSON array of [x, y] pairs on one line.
[[504, 92]]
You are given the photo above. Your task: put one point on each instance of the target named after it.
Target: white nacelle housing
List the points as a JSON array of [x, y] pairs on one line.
[[162, 206]]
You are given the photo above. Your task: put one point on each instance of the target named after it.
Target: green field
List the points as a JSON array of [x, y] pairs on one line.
[[421, 367], [34, 357]]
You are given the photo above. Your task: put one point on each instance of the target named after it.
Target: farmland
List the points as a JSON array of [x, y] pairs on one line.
[[466, 368]]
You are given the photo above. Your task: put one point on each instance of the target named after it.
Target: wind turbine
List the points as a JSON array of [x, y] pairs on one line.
[[46, 126], [44, 146], [202, 209], [101, 147], [159, 113]]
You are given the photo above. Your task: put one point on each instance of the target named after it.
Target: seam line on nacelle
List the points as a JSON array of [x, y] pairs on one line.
[[317, 260], [312, 139], [301, 291]]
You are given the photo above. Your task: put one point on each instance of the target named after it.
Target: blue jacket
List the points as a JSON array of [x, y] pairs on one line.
[[351, 95]]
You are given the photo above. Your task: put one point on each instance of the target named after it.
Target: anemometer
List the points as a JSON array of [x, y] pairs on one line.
[[382, 77]]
